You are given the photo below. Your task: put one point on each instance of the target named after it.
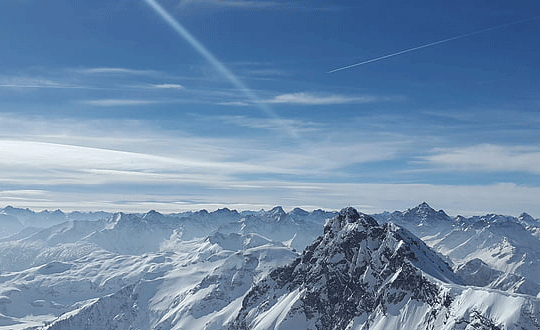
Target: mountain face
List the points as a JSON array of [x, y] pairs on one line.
[[359, 275], [478, 273], [9, 225]]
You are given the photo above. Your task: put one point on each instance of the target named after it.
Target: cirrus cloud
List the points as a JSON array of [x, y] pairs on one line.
[[118, 102], [488, 157], [316, 99]]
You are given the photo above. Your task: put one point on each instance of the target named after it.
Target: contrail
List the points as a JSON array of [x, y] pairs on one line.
[[433, 44], [220, 67]]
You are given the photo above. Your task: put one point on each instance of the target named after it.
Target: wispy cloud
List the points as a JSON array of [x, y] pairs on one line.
[[138, 157], [316, 99], [236, 103], [229, 3], [34, 152], [488, 157], [269, 123], [504, 198], [167, 86], [117, 102], [257, 4], [33, 82], [111, 70]]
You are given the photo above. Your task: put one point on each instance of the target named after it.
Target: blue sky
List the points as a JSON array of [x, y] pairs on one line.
[[190, 104]]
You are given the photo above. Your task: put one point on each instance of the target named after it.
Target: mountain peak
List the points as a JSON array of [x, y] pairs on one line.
[[153, 215], [424, 208], [349, 213], [349, 219], [424, 205], [299, 212], [277, 213], [526, 217], [278, 210], [424, 212]]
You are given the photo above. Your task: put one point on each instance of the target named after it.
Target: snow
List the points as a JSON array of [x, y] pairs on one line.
[[276, 317], [193, 270]]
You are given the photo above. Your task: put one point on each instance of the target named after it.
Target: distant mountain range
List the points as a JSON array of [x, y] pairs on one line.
[[412, 269]]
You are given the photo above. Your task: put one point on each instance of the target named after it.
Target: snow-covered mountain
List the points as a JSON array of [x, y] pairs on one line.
[[241, 270], [78, 265], [9, 225], [296, 229], [506, 247], [360, 275], [47, 218]]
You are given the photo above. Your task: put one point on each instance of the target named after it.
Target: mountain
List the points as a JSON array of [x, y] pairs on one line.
[[360, 275], [508, 246], [422, 220], [478, 273], [296, 229], [9, 225], [240, 270], [201, 287], [46, 218], [80, 266]]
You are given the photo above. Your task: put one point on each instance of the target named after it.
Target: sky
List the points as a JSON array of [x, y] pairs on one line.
[[178, 105]]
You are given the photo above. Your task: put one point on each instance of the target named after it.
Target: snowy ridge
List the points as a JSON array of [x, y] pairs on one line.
[[239, 270]]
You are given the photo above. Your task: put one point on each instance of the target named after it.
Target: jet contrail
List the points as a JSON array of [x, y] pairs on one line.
[[220, 67], [433, 44]]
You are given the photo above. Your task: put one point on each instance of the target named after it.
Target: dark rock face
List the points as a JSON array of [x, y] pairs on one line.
[[355, 268]]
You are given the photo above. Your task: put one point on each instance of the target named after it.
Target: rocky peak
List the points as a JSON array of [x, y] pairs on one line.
[[276, 214], [349, 213], [299, 212], [226, 212], [278, 210], [153, 215], [526, 217], [424, 213], [349, 219]]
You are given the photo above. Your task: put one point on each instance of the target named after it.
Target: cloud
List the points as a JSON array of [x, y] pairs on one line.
[[257, 4], [118, 102], [132, 165], [236, 103], [488, 157], [274, 124], [314, 99], [111, 70], [32, 82], [167, 86], [229, 3], [105, 152], [504, 198]]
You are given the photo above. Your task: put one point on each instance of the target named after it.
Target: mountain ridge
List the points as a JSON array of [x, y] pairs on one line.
[[195, 269]]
